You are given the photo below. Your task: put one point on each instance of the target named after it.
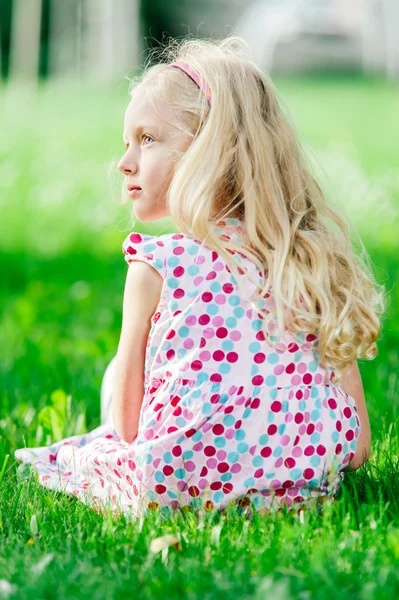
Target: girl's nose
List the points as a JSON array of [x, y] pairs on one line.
[[123, 167]]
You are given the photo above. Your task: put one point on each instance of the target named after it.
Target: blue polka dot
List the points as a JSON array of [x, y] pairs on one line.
[[159, 476], [227, 345], [239, 312], [257, 461], [218, 497], [228, 420], [168, 457], [215, 287], [212, 309], [239, 434], [220, 442], [263, 439], [193, 270], [249, 483], [202, 376], [231, 322], [233, 457], [193, 249], [206, 408], [273, 358], [256, 325], [183, 331], [173, 282], [180, 473], [254, 347], [315, 437], [315, 460], [296, 473], [270, 380], [242, 447], [234, 300], [226, 476], [335, 436]]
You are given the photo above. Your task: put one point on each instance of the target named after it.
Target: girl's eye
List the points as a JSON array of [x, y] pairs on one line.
[[142, 137], [147, 136]]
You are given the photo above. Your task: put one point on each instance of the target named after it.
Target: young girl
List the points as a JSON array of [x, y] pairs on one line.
[[236, 376]]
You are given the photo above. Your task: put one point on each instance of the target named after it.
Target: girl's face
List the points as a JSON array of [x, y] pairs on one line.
[[154, 144]]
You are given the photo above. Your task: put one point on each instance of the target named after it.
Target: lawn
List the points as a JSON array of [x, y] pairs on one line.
[[61, 286]]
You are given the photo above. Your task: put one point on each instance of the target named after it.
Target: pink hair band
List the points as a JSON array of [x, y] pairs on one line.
[[183, 66]]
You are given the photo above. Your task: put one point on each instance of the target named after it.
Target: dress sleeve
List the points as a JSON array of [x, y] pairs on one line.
[[147, 248]]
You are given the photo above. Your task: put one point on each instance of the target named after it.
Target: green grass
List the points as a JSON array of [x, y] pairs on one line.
[[61, 285]]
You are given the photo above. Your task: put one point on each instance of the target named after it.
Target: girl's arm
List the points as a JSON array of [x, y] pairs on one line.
[[141, 298], [352, 384]]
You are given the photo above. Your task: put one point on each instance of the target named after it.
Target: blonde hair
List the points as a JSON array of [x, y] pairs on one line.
[[246, 161]]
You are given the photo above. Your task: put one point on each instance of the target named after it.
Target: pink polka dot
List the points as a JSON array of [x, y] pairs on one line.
[[205, 355], [135, 238], [211, 463], [220, 299], [301, 367], [318, 378], [235, 335], [289, 417], [278, 369], [199, 259], [189, 465], [278, 462], [221, 332], [302, 429], [229, 434], [236, 468], [217, 321], [221, 454], [297, 451], [191, 320], [260, 357], [295, 380], [218, 266], [209, 333], [178, 271], [204, 319], [188, 343], [275, 483], [285, 440], [203, 484]]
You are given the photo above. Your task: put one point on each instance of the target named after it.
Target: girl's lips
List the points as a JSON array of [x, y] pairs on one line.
[[134, 192]]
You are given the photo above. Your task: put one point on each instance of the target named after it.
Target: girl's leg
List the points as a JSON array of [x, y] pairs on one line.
[[107, 387]]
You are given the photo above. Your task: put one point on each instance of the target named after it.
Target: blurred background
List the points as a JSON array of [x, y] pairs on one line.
[[64, 89]]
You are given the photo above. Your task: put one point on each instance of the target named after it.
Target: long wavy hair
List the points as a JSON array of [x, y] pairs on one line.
[[246, 161]]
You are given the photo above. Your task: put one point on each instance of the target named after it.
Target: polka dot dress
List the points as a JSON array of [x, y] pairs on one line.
[[225, 417]]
